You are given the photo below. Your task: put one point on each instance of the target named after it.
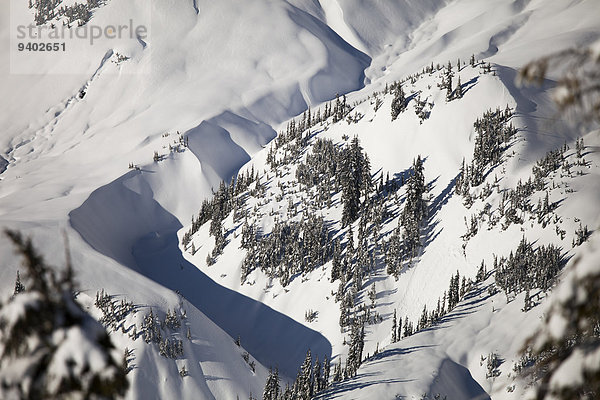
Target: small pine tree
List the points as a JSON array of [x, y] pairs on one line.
[[316, 377], [394, 328], [579, 146], [458, 93], [19, 287], [399, 102], [355, 352], [448, 81], [183, 372], [528, 302], [399, 330], [415, 209], [326, 368], [373, 295]]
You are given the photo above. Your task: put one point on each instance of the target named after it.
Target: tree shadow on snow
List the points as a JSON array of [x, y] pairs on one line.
[[436, 205], [357, 382]]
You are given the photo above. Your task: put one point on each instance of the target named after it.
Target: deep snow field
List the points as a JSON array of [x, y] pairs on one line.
[[225, 78]]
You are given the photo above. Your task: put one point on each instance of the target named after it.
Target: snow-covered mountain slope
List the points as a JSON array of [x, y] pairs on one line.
[[227, 76], [443, 140], [72, 122], [452, 358]]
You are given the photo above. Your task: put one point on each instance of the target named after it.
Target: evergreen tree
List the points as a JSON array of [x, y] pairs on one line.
[[423, 320], [398, 102], [579, 146], [458, 92], [408, 328], [393, 256], [399, 330], [326, 368], [336, 268], [355, 176], [448, 81], [357, 343], [337, 111], [304, 381], [317, 380], [49, 346], [493, 135], [19, 287], [337, 372], [454, 291], [415, 208], [394, 328], [272, 389], [526, 268], [528, 302], [350, 246]]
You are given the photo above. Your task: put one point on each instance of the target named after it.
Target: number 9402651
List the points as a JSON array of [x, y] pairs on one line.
[[49, 46]]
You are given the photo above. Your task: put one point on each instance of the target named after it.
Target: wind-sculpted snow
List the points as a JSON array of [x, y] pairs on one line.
[[372, 26], [116, 215], [456, 382], [122, 220], [220, 156], [239, 129]]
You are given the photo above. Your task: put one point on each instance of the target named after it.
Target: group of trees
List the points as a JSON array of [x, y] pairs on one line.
[[170, 347], [299, 247], [400, 100], [355, 180], [356, 347], [516, 204], [551, 162], [113, 312], [421, 108], [332, 168], [153, 330], [225, 200], [47, 10], [456, 291], [321, 166], [290, 248], [568, 338], [312, 379], [528, 268], [493, 135], [447, 81], [295, 129], [60, 349], [406, 238]]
